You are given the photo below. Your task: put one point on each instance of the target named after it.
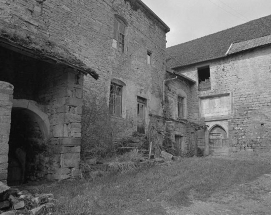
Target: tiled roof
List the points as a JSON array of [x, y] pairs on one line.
[[41, 47], [216, 45], [249, 44]]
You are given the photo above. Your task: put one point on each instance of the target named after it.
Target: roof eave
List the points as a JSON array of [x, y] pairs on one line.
[[192, 82], [166, 28]]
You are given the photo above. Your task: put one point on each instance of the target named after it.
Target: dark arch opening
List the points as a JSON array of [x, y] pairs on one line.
[[217, 139], [26, 146]]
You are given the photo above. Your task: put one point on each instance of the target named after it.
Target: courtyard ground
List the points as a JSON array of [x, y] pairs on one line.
[[190, 186]]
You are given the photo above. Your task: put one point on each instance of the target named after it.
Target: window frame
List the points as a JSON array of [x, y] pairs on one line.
[[120, 25], [180, 106], [115, 100]]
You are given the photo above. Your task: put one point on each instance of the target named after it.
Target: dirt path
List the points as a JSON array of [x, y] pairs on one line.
[[252, 198]]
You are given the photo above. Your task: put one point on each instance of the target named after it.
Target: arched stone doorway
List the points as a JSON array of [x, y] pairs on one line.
[[218, 141], [27, 144]]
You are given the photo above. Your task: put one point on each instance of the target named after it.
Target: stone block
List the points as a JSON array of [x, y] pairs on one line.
[[3, 188], [4, 128], [3, 175], [74, 102], [74, 149], [76, 125], [3, 159], [3, 166], [4, 149], [72, 118], [60, 149], [9, 213], [4, 204], [19, 205], [70, 141], [79, 110], [76, 173], [62, 174], [70, 160], [60, 131], [67, 130], [76, 135], [79, 93], [62, 109]]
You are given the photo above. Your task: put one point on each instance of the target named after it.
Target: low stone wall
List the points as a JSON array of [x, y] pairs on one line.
[[6, 95]]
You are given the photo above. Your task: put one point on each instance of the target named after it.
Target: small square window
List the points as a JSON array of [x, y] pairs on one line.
[[149, 57]]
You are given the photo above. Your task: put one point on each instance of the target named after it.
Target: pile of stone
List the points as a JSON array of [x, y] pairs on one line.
[[15, 202]]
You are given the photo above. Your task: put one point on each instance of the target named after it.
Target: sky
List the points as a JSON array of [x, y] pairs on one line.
[[191, 19]]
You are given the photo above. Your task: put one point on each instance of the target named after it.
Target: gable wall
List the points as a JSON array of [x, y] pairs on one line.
[[244, 79]]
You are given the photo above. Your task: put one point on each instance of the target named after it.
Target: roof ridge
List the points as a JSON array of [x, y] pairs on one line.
[[237, 26]]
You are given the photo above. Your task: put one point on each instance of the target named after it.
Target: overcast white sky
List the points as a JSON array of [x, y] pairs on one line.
[[191, 19]]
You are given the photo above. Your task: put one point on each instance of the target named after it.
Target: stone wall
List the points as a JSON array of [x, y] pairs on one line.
[[6, 92], [245, 78], [86, 29], [142, 34], [48, 107], [184, 127]]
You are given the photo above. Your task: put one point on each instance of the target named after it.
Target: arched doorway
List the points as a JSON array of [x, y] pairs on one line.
[[218, 141], [26, 147]]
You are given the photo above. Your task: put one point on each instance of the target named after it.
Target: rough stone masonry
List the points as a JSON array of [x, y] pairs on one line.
[[6, 92]]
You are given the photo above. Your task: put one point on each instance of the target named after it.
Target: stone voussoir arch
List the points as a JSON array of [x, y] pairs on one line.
[[35, 112]]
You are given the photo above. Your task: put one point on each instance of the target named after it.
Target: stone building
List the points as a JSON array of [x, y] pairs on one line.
[[41, 96], [185, 129], [231, 69], [76, 75]]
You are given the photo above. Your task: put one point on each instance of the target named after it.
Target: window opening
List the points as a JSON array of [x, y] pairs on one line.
[[115, 101], [149, 57], [204, 78], [180, 106], [119, 33]]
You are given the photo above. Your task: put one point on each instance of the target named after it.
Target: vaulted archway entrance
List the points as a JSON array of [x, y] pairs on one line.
[[218, 141], [27, 147]]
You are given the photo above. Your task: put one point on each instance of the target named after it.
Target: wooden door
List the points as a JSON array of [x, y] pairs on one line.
[[218, 141], [141, 114]]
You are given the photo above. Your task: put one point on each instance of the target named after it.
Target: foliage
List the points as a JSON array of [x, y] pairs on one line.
[[96, 129]]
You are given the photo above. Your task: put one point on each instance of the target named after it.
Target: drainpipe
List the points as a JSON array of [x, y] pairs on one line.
[[164, 82]]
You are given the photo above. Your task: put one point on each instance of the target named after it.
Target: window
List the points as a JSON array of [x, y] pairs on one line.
[[115, 101], [119, 33], [180, 104], [204, 78], [149, 57]]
